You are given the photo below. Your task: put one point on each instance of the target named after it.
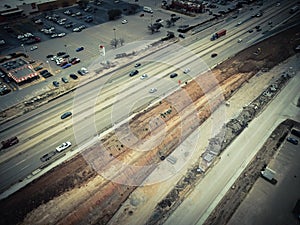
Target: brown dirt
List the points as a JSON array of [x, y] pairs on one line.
[[97, 199]]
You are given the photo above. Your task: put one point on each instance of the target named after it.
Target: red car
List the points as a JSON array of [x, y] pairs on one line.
[[75, 61]]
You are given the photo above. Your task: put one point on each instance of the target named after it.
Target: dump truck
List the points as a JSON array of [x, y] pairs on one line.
[[218, 34], [9, 142]]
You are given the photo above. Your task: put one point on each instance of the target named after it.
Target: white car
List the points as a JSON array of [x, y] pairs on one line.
[[152, 90], [239, 40], [124, 21], [144, 76], [61, 34], [33, 48], [63, 146], [186, 70]]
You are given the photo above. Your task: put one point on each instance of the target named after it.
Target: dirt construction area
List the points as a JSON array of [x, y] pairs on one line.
[[75, 193]]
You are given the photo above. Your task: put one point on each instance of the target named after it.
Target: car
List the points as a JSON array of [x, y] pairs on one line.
[[240, 40], [181, 36], [60, 53], [78, 14], [144, 76], [75, 61], [47, 156], [65, 80], [66, 65], [54, 36], [38, 68], [259, 29], [76, 29], [48, 74], [73, 76], [142, 14], [65, 115], [62, 63], [159, 21], [82, 71], [137, 65], [213, 55], [61, 34], [124, 21], [292, 140], [133, 72], [63, 146], [82, 27], [152, 90], [65, 56], [33, 48], [55, 83], [79, 49], [49, 56], [239, 23], [172, 75], [44, 72], [186, 70], [250, 31]]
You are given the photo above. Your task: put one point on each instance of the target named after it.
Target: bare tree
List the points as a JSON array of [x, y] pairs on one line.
[[114, 42], [121, 41], [154, 27]]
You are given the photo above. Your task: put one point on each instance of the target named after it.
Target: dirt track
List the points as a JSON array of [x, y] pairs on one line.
[[75, 193]]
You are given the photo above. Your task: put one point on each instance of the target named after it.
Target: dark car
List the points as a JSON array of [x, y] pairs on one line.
[[67, 65], [43, 72], [79, 49], [48, 74], [181, 36], [66, 56], [292, 140], [75, 61], [214, 55], [73, 76], [49, 56], [56, 83], [172, 75], [47, 156], [137, 65], [133, 72], [60, 53], [65, 115]]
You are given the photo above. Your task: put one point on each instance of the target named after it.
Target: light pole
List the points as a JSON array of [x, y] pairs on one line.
[[49, 66], [23, 48], [115, 33]]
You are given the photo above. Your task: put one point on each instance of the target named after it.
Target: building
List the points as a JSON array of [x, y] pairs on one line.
[[19, 70]]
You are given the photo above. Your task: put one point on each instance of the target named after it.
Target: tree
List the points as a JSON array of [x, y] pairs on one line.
[[121, 41], [114, 42], [155, 27], [114, 14]]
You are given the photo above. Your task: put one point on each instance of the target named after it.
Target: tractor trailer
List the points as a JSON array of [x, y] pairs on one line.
[[218, 34]]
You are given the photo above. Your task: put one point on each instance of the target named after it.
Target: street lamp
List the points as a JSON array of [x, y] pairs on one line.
[[23, 48], [115, 33], [49, 66]]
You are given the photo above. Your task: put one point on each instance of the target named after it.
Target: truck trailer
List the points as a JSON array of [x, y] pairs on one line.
[[218, 34]]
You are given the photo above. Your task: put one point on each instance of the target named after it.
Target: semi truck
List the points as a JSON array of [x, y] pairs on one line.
[[9, 142], [218, 34]]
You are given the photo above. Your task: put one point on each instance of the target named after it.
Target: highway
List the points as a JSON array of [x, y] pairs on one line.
[[112, 98]]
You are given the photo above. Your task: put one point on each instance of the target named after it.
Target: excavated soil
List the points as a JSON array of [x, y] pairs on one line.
[[74, 193]]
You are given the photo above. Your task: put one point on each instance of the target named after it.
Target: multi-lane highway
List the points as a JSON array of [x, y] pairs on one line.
[[113, 97]]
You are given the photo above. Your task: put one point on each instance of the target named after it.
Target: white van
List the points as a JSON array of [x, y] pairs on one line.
[[147, 9]]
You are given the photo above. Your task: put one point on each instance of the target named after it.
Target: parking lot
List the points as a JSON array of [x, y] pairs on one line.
[[60, 22]]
